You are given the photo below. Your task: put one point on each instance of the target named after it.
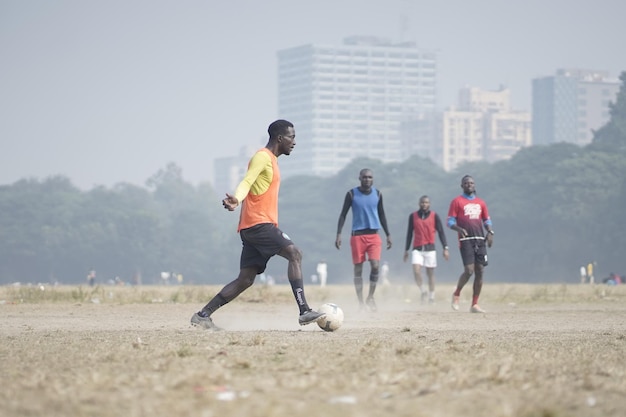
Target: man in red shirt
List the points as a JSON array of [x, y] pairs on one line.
[[468, 215]]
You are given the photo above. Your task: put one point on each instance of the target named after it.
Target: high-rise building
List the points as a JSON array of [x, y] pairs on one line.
[[569, 105], [419, 136], [462, 135], [352, 100], [482, 128]]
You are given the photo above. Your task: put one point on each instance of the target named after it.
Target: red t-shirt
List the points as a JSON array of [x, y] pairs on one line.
[[423, 230], [470, 214]]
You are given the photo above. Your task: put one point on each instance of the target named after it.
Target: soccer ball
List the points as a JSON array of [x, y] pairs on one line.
[[333, 319]]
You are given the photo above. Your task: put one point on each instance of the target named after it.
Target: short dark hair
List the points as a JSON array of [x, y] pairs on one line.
[[278, 127], [466, 177]]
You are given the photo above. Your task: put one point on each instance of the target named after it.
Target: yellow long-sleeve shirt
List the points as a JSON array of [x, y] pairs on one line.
[[258, 191]]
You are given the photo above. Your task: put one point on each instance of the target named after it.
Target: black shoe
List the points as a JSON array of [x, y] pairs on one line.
[[309, 317]]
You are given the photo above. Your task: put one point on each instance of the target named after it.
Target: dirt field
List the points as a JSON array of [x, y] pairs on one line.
[[549, 351]]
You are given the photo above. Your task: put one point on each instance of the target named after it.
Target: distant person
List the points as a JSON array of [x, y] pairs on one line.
[[468, 215], [612, 279], [583, 274], [258, 228], [137, 278], [322, 272], [590, 277], [91, 277], [424, 224], [368, 216]]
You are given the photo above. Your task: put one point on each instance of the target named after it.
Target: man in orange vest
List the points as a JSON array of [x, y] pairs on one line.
[[423, 224], [258, 228]]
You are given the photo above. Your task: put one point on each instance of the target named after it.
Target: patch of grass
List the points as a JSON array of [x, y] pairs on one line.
[[552, 293], [540, 294], [241, 364], [276, 294], [257, 340], [543, 413], [403, 350], [184, 351]]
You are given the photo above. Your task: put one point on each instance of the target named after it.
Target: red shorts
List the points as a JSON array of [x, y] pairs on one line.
[[370, 245]]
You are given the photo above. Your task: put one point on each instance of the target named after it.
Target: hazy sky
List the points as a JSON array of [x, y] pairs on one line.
[[109, 91]]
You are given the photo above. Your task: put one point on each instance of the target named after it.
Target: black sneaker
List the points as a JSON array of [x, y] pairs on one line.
[[309, 317], [371, 304], [203, 322]]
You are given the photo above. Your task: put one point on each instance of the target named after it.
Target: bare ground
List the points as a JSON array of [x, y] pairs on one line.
[[549, 351]]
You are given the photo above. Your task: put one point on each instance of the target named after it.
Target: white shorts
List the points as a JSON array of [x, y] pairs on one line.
[[425, 258]]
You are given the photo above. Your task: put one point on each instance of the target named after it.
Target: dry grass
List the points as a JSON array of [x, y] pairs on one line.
[[540, 351]]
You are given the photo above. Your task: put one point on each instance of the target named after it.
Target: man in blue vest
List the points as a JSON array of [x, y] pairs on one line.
[[368, 216]]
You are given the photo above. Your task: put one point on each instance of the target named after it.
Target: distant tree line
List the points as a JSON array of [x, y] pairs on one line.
[[51, 231], [554, 208]]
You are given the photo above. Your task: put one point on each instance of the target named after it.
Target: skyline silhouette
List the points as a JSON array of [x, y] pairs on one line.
[[112, 91]]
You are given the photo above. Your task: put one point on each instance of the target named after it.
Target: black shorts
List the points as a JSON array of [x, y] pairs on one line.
[[260, 243], [474, 251]]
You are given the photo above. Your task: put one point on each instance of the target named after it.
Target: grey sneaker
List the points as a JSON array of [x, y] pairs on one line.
[[371, 304], [309, 317], [203, 322], [476, 309], [455, 302]]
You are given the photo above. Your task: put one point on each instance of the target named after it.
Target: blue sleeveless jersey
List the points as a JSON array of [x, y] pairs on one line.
[[365, 210]]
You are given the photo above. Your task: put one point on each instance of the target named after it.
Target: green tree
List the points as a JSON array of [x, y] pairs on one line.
[[612, 136], [34, 218]]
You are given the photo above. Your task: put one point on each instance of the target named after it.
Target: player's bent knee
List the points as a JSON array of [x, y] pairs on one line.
[[292, 253]]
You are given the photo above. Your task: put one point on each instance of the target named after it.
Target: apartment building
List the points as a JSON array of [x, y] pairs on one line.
[[569, 105], [483, 127], [353, 100]]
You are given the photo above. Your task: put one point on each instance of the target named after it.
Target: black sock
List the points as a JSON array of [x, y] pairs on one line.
[[373, 282], [297, 286], [215, 303]]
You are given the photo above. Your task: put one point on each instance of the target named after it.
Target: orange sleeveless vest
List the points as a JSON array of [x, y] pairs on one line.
[[262, 208]]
